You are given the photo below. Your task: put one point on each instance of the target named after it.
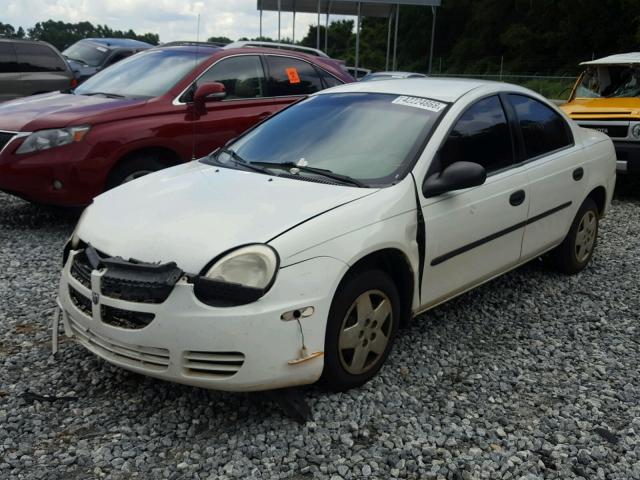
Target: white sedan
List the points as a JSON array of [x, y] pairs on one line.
[[296, 252]]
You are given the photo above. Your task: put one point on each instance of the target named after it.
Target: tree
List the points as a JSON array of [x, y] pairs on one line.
[[219, 40]]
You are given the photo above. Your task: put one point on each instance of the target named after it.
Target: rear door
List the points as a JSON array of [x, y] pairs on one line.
[[10, 76], [475, 233], [556, 172], [43, 70]]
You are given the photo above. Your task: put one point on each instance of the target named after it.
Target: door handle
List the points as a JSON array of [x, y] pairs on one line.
[[517, 198], [578, 173]]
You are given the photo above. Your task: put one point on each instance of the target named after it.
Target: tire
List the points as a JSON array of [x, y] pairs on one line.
[[576, 250], [371, 337], [134, 168]]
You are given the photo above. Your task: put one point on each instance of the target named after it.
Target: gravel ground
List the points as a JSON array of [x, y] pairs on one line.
[[532, 376]]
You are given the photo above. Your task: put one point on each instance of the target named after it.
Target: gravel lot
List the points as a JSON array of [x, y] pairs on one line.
[[532, 376]]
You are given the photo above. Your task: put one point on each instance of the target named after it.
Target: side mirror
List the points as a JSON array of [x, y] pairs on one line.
[[456, 176], [209, 92]]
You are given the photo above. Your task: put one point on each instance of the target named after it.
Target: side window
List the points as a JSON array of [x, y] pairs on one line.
[[543, 129], [481, 135], [327, 79], [241, 76], [38, 58], [290, 76], [8, 62], [116, 57]]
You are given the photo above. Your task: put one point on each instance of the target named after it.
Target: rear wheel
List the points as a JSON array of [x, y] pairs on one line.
[[575, 252], [362, 325], [134, 168]]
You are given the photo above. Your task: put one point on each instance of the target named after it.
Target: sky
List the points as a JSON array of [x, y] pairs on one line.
[[171, 19]]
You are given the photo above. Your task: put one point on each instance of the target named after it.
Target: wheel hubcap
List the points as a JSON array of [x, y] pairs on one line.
[[586, 236], [138, 174], [365, 332]]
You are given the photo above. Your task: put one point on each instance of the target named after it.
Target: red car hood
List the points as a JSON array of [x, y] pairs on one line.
[[56, 110]]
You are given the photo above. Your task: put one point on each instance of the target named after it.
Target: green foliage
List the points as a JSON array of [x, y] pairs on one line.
[[219, 40], [62, 34]]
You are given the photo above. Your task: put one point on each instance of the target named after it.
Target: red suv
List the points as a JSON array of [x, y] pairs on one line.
[[153, 110]]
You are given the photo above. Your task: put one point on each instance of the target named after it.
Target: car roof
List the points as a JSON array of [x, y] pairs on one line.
[[118, 42], [442, 89], [617, 59]]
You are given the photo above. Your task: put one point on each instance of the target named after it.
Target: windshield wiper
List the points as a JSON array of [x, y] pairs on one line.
[[77, 60], [106, 94], [237, 159], [317, 171]]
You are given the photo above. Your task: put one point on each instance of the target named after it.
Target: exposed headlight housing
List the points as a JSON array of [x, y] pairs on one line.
[[74, 240], [635, 130], [57, 137], [238, 277]]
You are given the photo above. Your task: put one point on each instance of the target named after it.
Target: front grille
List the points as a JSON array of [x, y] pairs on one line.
[[5, 137], [212, 365], [81, 302], [81, 269], [618, 131], [149, 358], [128, 319], [131, 281]]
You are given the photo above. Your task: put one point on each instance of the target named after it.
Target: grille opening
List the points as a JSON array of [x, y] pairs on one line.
[[213, 365], [125, 318], [81, 302], [81, 269], [149, 358]]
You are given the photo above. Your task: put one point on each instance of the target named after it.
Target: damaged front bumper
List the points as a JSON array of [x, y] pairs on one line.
[[181, 339]]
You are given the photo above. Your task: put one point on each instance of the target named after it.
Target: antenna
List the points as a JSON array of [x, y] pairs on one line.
[[195, 65]]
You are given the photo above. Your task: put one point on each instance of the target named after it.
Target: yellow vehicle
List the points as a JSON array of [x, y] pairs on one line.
[[606, 97]]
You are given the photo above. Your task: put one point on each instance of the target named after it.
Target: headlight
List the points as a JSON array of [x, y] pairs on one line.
[[635, 130], [74, 241], [239, 277], [45, 139]]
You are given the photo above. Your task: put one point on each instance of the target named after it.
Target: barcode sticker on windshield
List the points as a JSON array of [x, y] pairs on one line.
[[417, 102]]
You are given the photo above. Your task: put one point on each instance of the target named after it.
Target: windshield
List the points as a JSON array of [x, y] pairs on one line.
[[86, 53], [608, 81], [369, 137], [145, 75]]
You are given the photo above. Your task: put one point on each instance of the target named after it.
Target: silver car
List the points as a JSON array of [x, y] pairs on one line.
[[28, 67]]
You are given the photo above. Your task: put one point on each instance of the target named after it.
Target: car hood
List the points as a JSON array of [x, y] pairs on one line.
[[193, 212], [56, 110], [602, 108]]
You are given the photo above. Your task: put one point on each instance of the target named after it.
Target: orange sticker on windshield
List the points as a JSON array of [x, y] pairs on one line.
[[292, 73]]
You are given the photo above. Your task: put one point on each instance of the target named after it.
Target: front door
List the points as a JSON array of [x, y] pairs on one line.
[[475, 233]]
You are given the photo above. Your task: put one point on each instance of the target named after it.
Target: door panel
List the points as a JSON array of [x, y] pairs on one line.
[[553, 194], [472, 235]]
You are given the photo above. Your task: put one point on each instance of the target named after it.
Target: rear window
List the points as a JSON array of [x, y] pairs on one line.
[[38, 58]]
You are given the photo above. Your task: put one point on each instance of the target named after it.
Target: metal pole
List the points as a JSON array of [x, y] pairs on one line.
[[279, 20], [326, 29], [318, 28], [433, 36], [294, 23], [386, 63], [501, 65], [260, 20], [357, 41], [395, 38]]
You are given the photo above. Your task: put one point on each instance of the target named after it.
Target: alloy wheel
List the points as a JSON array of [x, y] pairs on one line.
[[365, 332], [586, 236]]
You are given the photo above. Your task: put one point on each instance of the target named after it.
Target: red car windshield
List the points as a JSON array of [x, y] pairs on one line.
[[145, 75]]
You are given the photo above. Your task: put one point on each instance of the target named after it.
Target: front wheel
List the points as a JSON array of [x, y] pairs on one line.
[[575, 252], [134, 168], [362, 325]]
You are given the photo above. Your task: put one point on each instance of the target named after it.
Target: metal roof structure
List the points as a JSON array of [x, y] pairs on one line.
[[617, 59], [359, 8]]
